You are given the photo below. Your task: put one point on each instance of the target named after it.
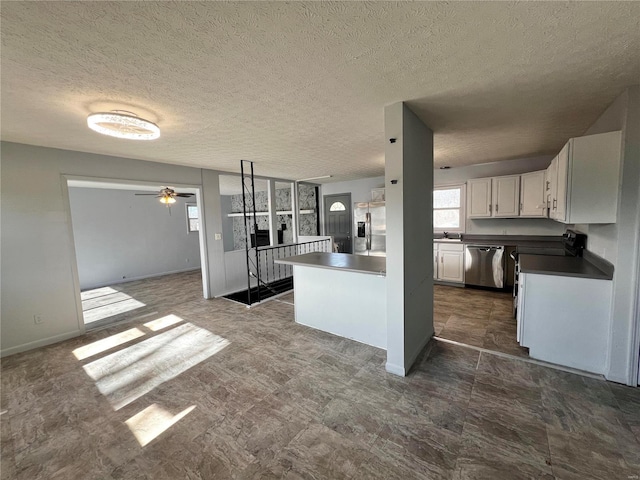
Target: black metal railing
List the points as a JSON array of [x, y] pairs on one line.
[[272, 272], [268, 278]]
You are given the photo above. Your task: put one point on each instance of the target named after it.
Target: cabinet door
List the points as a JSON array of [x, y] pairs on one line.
[[552, 188], [479, 198], [506, 196], [451, 268], [561, 184], [435, 262], [533, 195]]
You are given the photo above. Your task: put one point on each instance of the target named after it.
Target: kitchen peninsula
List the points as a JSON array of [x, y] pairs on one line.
[[341, 294]]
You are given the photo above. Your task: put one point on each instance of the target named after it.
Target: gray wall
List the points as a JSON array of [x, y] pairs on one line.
[[502, 226], [409, 161], [360, 190], [119, 236], [227, 223], [38, 255], [620, 242]]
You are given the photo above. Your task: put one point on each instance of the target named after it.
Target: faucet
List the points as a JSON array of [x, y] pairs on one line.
[[445, 234]]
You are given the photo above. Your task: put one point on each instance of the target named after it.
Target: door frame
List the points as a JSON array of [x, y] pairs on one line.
[[202, 234], [324, 214]]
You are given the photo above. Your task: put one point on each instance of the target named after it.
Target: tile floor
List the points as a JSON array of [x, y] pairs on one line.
[[482, 318], [213, 390]]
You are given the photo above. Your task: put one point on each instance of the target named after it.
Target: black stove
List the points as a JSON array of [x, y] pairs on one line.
[[574, 243]]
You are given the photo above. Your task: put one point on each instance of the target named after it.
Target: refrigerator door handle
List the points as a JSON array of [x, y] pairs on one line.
[[368, 229]]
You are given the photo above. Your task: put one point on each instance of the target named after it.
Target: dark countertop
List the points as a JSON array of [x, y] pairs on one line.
[[562, 266], [551, 245], [339, 261]]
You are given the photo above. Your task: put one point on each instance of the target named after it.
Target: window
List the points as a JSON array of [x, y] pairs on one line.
[[337, 207], [448, 208], [193, 219]]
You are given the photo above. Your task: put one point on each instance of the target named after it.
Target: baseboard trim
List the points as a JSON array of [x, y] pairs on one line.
[[624, 380], [395, 369], [135, 279], [39, 343]]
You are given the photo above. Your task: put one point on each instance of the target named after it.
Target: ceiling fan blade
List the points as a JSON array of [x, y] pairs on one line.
[[146, 194], [183, 195]]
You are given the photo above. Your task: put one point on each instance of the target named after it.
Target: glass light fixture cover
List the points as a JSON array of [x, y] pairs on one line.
[[167, 200], [123, 125]]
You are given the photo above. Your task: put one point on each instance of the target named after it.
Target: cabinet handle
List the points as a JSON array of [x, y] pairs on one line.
[[547, 185], [490, 209], [520, 207], [496, 208], [555, 203]]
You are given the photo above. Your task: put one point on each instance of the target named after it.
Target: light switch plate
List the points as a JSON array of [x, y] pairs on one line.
[[218, 236]]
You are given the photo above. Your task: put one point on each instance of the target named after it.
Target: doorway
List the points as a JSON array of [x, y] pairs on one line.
[[127, 245], [337, 220]]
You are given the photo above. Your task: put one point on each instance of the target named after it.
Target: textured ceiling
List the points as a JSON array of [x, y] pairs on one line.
[[300, 87]]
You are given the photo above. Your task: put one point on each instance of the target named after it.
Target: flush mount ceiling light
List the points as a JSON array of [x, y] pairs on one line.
[[121, 124]]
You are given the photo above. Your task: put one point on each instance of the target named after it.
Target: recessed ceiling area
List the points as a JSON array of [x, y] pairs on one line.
[[300, 88]]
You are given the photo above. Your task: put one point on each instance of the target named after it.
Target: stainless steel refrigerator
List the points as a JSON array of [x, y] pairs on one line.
[[370, 229]]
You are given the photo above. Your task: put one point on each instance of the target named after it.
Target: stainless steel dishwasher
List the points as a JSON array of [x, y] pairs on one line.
[[484, 266]]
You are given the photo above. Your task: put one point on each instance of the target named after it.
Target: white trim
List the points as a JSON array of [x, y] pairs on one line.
[[75, 276], [41, 343], [395, 369]]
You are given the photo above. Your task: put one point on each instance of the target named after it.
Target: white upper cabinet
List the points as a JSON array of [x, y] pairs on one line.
[[479, 198], [506, 196], [584, 180], [493, 197], [533, 199]]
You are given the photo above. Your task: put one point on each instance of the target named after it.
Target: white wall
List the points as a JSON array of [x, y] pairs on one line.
[[360, 190], [120, 236], [619, 243], [409, 162], [502, 226], [38, 254]]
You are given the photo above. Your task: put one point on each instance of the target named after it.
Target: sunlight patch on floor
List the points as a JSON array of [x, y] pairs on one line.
[[111, 309], [107, 343], [97, 292], [130, 373], [163, 322], [152, 421]]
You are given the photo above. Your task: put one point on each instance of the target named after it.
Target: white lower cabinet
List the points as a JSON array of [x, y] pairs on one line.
[[448, 262], [565, 320]]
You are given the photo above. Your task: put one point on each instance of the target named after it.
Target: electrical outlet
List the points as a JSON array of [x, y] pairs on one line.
[[504, 231], [37, 319]]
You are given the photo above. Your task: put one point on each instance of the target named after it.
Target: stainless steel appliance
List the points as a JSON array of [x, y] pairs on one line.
[[484, 266], [573, 244], [370, 228]]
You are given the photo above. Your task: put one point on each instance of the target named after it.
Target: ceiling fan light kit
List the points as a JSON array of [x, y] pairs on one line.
[[167, 200], [167, 195], [122, 124]]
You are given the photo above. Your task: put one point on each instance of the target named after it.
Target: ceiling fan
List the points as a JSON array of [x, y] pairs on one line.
[[167, 195]]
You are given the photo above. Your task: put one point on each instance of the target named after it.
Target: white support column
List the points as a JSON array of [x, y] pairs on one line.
[[273, 224], [409, 205]]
